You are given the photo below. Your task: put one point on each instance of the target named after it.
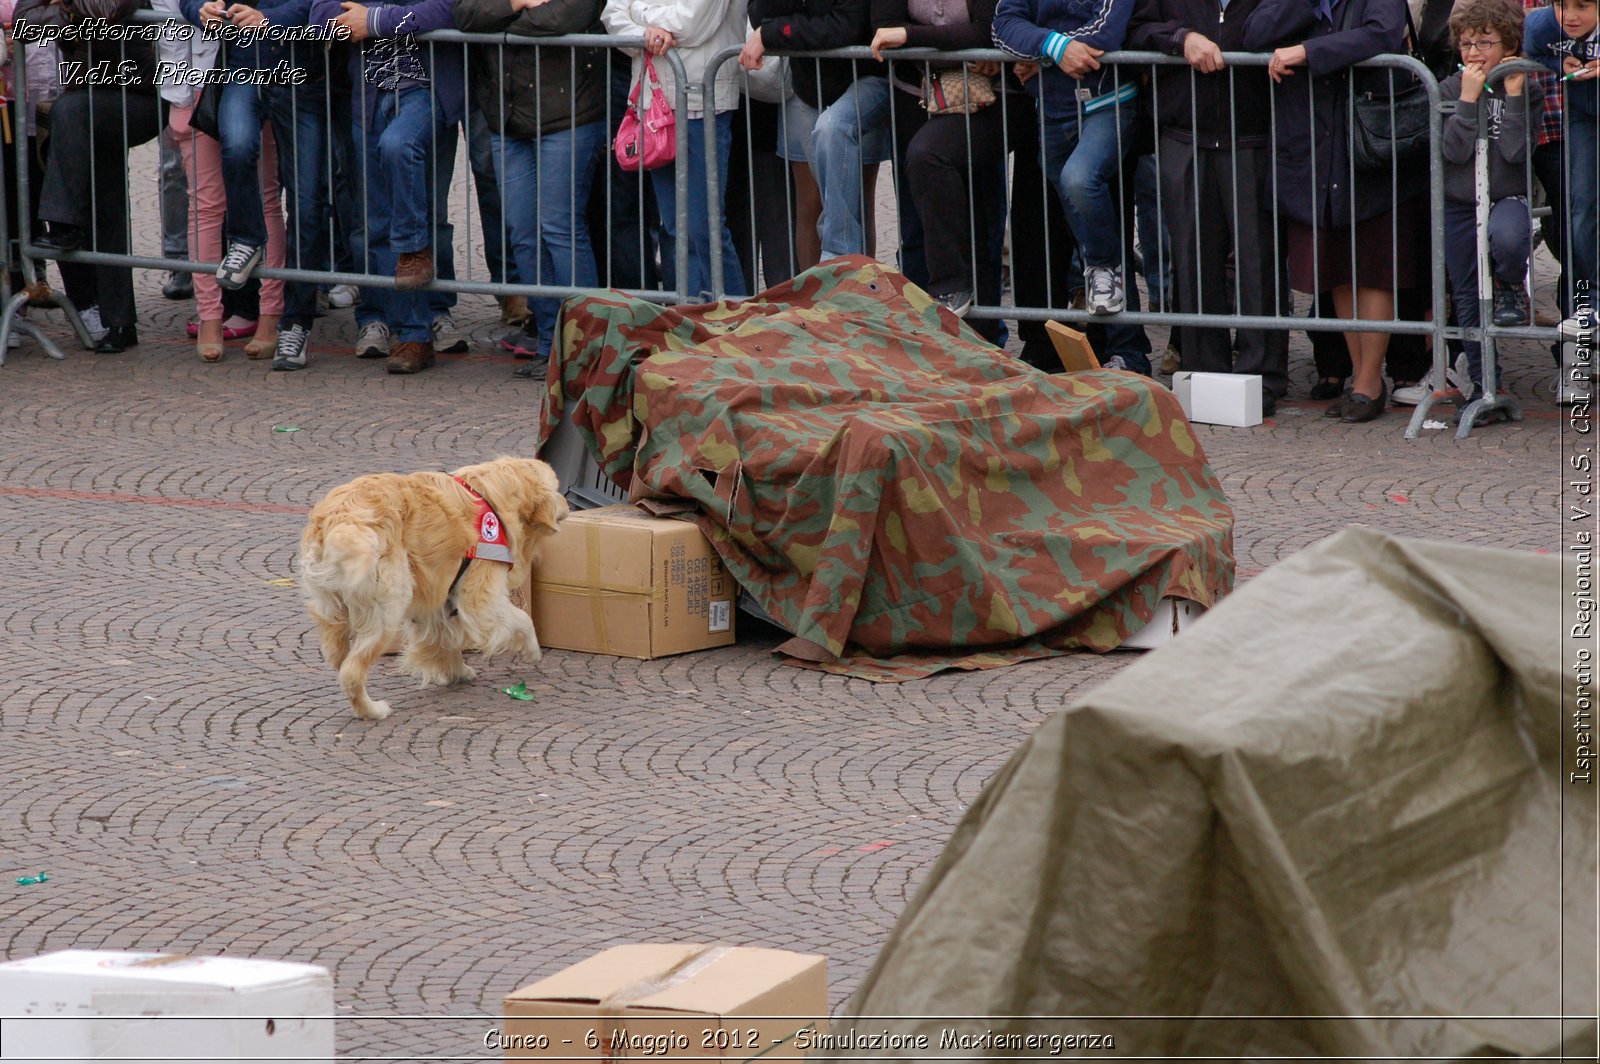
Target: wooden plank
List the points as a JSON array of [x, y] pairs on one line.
[[1072, 347]]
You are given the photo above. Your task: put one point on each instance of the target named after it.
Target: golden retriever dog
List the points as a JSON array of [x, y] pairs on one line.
[[389, 553]]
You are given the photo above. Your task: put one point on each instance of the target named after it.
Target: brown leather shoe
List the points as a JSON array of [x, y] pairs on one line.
[[413, 270], [410, 358]]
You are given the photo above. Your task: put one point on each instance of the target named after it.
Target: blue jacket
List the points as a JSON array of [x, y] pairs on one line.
[[393, 18], [1023, 27], [263, 54], [1544, 41], [1313, 128]]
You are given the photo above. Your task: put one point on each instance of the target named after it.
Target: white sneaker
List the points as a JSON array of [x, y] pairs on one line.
[[373, 341], [1570, 392], [1105, 291], [91, 321], [1578, 326], [446, 340], [1414, 394], [237, 265], [341, 296]]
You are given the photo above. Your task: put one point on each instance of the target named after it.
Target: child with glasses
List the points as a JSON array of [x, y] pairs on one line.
[[1487, 33]]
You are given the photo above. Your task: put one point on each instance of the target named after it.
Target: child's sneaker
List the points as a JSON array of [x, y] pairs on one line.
[[291, 352], [237, 265], [1510, 304]]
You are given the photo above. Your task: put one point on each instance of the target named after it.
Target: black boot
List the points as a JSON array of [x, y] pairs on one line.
[[119, 338]]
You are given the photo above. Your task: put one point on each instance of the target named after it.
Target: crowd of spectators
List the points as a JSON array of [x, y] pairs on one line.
[[330, 140]]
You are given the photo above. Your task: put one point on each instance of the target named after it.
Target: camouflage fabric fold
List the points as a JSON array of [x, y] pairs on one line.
[[899, 494]]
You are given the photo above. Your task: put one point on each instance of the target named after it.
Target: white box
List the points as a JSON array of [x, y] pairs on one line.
[[83, 1005], [1219, 398], [1172, 616]]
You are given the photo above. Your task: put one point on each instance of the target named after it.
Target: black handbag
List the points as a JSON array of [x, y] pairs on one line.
[[204, 118], [1389, 120]]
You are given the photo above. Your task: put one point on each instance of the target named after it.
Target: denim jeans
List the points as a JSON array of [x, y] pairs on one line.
[[480, 157], [851, 133], [1583, 164], [407, 155], [663, 179], [544, 192], [1083, 156], [296, 114], [1510, 236]]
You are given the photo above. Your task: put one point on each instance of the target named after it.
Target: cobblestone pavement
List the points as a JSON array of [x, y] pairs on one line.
[[178, 759]]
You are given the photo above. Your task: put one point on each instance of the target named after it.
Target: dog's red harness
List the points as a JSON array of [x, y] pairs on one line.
[[491, 545]]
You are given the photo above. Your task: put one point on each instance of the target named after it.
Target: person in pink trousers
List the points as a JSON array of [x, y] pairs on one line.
[[202, 163]]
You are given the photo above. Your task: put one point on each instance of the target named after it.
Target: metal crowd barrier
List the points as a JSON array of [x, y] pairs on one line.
[[1022, 129], [536, 287]]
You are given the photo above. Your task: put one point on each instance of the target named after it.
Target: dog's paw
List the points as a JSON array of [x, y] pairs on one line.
[[465, 674], [374, 711]]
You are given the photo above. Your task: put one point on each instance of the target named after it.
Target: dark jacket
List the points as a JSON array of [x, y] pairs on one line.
[[815, 26], [1544, 41], [976, 32], [1223, 109], [1509, 120], [264, 53], [1022, 27], [535, 90], [1313, 130], [393, 18], [130, 64]]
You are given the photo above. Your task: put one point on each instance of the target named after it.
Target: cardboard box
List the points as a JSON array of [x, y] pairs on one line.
[[617, 581], [1172, 616], [83, 1005], [1219, 398], [671, 1002]]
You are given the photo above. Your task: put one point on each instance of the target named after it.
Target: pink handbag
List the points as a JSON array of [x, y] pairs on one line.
[[648, 141]]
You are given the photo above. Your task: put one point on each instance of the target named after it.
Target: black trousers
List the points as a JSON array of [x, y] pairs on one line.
[[86, 179], [1210, 214]]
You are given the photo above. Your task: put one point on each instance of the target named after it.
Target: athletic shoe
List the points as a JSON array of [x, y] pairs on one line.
[[341, 296], [178, 285], [373, 341], [92, 322], [237, 265], [446, 340], [1106, 295], [291, 352]]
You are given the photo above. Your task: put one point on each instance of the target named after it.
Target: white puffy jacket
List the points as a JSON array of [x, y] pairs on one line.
[[701, 28]]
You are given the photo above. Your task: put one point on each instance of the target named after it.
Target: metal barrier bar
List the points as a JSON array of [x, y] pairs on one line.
[[977, 221]]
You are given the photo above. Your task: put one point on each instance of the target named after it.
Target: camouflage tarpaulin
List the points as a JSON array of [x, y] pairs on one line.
[[896, 492]]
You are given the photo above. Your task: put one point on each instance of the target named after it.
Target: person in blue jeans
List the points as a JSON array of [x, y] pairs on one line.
[[839, 111], [545, 108], [1086, 127], [1566, 38], [407, 105], [696, 31], [296, 112]]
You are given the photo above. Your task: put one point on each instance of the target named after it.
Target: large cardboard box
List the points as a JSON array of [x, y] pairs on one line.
[[671, 1002], [618, 581], [83, 1005]]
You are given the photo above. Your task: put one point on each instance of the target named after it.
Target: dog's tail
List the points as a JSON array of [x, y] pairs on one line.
[[346, 563]]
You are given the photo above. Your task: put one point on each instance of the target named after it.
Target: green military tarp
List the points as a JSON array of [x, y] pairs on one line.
[[897, 493], [1344, 792]]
